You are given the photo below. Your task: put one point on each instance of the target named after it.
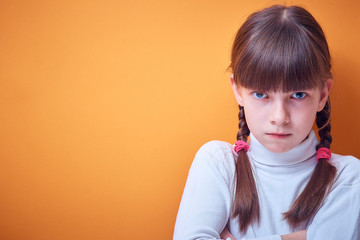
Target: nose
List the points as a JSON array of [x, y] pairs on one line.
[[279, 114]]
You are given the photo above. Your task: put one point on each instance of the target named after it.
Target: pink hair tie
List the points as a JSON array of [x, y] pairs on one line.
[[323, 153], [240, 145]]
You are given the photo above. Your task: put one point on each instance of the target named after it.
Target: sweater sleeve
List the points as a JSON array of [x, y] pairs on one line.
[[339, 217], [205, 205], [273, 237]]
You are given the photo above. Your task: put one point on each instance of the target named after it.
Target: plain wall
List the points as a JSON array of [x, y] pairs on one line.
[[103, 105]]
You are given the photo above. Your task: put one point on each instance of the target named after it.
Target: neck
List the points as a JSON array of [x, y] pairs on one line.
[[300, 153]]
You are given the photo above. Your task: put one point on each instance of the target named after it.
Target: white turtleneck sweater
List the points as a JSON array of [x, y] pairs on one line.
[[206, 204]]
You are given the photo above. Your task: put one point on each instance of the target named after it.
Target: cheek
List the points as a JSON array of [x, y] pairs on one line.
[[305, 117], [254, 119]]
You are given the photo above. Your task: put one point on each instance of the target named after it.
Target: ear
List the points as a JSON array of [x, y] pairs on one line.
[[324, 94], [236, 90]]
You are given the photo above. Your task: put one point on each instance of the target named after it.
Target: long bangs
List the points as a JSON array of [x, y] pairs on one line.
[[281, 56]]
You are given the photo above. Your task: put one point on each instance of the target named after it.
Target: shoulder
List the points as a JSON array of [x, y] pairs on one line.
[[217, 155], [348, 169], [216, 151], [216, 147]]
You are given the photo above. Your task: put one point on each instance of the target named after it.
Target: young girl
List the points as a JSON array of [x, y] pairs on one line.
[[278, 181]]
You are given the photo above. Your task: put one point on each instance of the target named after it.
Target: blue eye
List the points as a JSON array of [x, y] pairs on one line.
[[299, 95], [259, 95]]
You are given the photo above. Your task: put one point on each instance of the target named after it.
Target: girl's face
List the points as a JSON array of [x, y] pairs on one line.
[[281, 120]]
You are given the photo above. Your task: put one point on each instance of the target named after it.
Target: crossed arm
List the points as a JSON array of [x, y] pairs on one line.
[[300, 235]]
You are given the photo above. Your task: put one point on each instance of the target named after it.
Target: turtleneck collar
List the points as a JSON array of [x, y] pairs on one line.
[[300, 153]]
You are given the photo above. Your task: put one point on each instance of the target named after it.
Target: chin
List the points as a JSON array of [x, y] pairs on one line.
[[279, 149]]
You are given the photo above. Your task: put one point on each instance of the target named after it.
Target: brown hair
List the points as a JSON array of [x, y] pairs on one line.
[[281, 49]]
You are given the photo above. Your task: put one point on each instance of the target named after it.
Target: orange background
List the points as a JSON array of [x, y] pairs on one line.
[[103, 105]]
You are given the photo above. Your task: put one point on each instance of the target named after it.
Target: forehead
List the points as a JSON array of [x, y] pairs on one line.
[[280, 91]]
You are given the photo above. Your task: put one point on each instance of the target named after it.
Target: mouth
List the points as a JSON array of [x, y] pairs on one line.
[[279, 135]]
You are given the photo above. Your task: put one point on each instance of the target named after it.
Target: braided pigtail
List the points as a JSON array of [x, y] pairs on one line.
[[309, 201], [246, 202]]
